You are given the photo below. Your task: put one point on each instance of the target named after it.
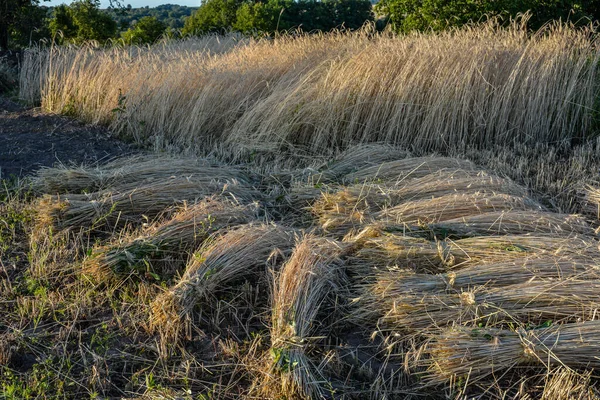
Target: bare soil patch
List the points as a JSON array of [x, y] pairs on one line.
[[30, 139]]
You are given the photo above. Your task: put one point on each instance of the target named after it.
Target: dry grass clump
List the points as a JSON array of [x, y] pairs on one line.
[[405, 301], [235, 256], [436, 196], [161, 249], [478, 353], [389, 250], [558, 173], [119, 206], [129, 171], [305, 295], [354, 205], [510, 223]]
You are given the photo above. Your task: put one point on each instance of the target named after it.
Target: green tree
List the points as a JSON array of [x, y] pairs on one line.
[[308, 15], [81, 21], [408, 15], [212, 16], [29, 27], [20, 20], [146, 30], [254, 18]]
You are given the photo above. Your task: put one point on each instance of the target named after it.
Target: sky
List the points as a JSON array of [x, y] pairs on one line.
[[134, 3]]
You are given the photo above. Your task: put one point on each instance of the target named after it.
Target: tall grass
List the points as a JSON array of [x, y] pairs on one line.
[[473, 87]]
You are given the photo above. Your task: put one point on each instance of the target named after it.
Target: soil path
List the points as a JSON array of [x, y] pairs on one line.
[[30, 139]]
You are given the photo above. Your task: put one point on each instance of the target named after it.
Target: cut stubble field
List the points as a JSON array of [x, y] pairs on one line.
[[344, 215]]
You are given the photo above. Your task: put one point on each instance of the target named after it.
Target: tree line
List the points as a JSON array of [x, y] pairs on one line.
[[23, 22]]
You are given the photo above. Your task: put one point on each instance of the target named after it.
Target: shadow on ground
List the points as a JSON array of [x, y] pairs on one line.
[[30, 139]]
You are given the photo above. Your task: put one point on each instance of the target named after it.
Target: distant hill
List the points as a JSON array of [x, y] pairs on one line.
[[172, 15]]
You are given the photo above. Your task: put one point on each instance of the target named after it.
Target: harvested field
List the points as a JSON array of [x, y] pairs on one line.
[[331, 216], [310, 287]]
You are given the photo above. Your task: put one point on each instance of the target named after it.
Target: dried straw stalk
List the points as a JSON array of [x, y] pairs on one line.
[[437, 196], [452, 206], [420, 255], [304, 293], [128, 171], [592, 200], [513, 223], [395, 283], [359, 157], [234, 256], [478, 353], [409, 168], [166, 245], [532, 303], [376, 197], [109, 209]]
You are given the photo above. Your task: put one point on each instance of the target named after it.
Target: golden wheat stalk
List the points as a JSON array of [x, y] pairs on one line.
[[234, 256], [304, 297], [165, 246], [477, 352]]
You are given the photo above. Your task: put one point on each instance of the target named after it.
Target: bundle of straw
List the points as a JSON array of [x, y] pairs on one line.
[[304, 296], [376, 197], [127, 171], [443, 255], [360, 157], [409, 168], [533, 303], [396, 283], [237, 255], [166, 245], [478, 353], [353, 205], [452, 206], [117, 208], [513, 223]]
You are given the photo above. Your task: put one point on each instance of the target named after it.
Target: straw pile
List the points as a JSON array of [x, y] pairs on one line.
[[304, 299], [235, 256], [375, 197], [510, 223], [421, 255], [463, 351], [409, 168], [118, 207], [128, 171], [164, 247]]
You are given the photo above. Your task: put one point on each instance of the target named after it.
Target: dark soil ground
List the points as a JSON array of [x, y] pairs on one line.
[[30, 139]]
